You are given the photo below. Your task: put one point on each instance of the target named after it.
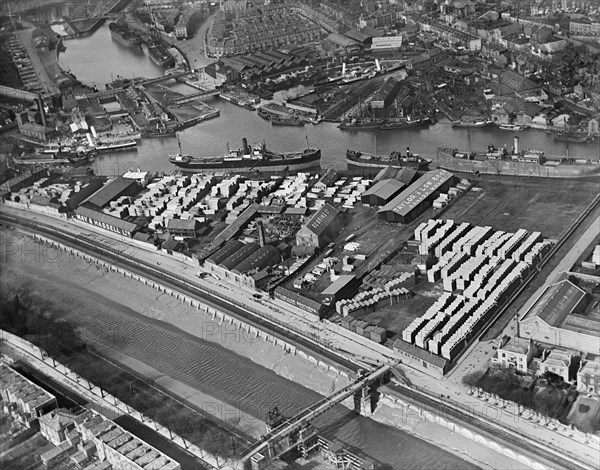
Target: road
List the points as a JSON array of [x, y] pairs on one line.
[[319, 334]]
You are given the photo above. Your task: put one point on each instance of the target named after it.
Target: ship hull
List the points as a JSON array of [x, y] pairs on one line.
[[358, 127], [354, 161], [405, 125], [309, 161], [516, 168]]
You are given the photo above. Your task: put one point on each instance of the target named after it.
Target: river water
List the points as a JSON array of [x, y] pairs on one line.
[[98, 59]]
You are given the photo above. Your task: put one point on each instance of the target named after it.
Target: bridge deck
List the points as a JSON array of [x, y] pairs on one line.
[[313, 411]]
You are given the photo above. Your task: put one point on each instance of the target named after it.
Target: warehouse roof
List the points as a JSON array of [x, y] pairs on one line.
[[389, 89], [182, 224], [319, 222], [406, 175], [107, 219], [240, 255], [266, 256], [341, 40], [556, 302], [417, 192], [384, 189], [359, 36], [339, 284], [236, 226], [228, 249], [110, 191]]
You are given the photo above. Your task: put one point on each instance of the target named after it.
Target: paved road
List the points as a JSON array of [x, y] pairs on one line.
[[326, 333]]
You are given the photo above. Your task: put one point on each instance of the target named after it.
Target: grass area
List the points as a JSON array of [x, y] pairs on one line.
[[545, 206], [585, 414]]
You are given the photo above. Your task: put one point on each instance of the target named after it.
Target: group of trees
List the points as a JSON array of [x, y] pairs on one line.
[[549, 396]]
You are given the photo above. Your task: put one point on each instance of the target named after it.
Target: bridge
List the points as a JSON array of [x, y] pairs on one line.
[[296, 431], [172, 76], [195, 96]]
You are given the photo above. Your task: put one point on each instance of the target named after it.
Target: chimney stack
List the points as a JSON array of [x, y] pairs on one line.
[[40, 105], [261, 233], [516, 149]]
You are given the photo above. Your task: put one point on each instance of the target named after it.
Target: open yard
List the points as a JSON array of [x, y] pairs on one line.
[[535, 205], [585, 414]]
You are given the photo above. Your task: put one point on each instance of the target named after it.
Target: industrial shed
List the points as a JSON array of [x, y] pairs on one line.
[[344, 42], [558, 317], [415, 199], [321, 228], [382, 192], [343, 287], [386, 94], [266, 256], [225, 252], [239, 256], [112, 190]]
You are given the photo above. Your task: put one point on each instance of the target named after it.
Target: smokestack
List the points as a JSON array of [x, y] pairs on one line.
[[40, 105], [245, 146], [261, 233], [516, 149], [407, 152]]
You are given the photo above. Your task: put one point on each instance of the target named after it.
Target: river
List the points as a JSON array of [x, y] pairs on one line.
[[98, 59]]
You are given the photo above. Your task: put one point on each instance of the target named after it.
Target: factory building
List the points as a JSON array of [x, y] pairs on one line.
[[558, 317], [112, 190], [321, 228], [382, 192], [386, 94], [106, 221], [415, 199]]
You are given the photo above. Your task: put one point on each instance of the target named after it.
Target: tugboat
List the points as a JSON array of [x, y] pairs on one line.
[[248, 159]]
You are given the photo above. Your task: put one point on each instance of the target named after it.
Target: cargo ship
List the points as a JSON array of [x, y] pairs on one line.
[[286, 121], [532, 163], [356, 159], [468, 125], [359, 124], [121, 33], [256, 159], [160, 55]]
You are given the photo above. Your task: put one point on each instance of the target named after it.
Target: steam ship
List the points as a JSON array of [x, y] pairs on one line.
[[532, 163], [256, 159]]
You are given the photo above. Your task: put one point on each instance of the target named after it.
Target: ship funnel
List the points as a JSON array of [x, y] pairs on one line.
[[516, 149], [408, 152], [245, 146]]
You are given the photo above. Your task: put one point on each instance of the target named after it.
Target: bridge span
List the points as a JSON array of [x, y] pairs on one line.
[[296, 431]]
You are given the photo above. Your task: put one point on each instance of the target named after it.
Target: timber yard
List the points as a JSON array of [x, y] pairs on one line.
[[360, 282]]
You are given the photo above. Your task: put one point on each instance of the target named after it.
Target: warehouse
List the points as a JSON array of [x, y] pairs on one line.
[[263, 258], [110, 191], [24, 180], [221, 255], [386, 94], [558, 317], [186, 228], [343, 287], [321, 228], [382, 192], [105, 221], [239, 256], [415, 199]]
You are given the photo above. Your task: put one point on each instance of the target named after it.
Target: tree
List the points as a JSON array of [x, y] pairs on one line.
[[217, 443], [473, 379]]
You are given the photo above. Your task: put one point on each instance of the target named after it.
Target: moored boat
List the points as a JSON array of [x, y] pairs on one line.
[[469, 124], [121, 33], [247, 159], [406, 124], [395, 159], [573, 137], [512, 127], [283, 121], [359, 124]]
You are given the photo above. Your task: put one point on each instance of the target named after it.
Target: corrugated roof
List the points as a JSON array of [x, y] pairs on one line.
[[341, 40], [107, 219], [417, 192], [319, 222], [357, 35]]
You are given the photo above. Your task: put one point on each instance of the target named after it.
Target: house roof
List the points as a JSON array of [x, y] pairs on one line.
[[170, 244], [319, 222]]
